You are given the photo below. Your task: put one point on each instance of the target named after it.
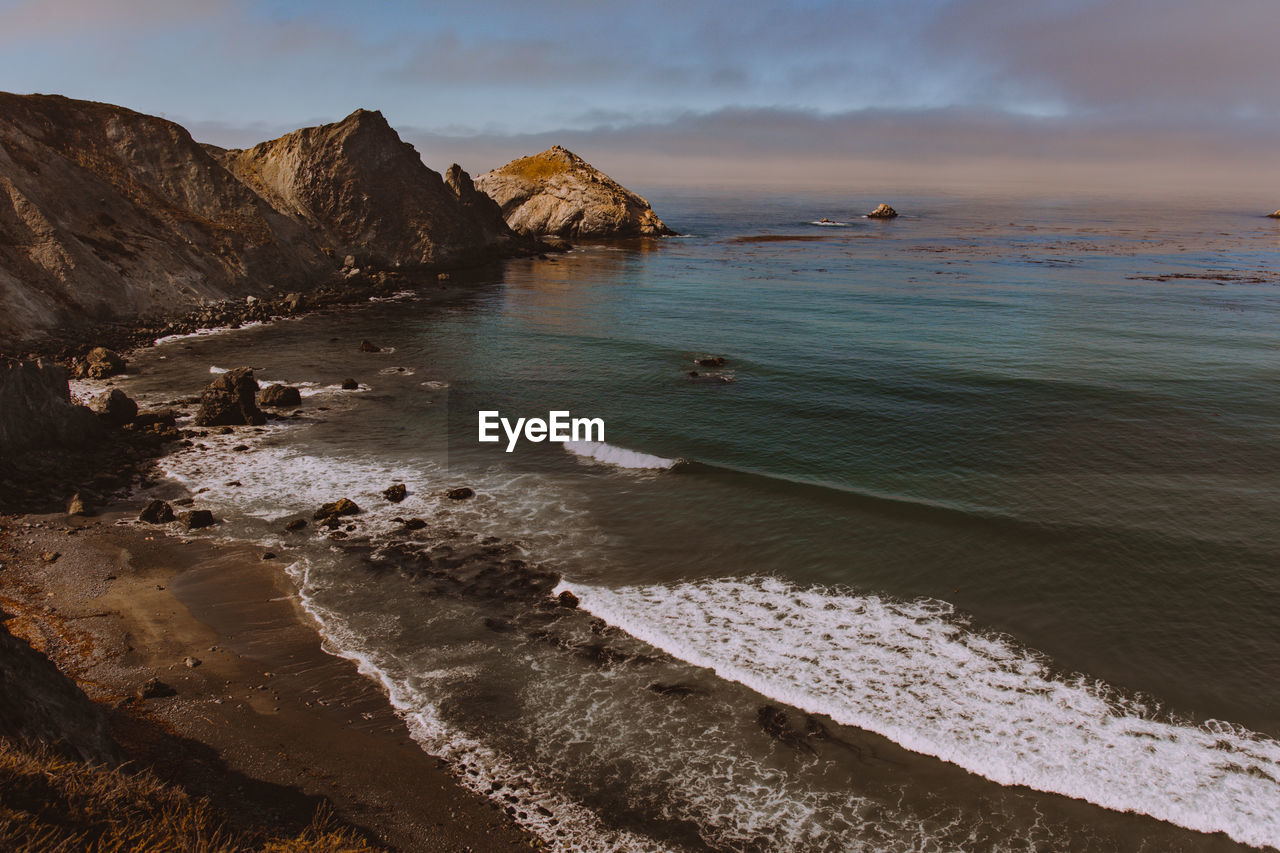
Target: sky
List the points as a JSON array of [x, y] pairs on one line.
[[1068, 94]]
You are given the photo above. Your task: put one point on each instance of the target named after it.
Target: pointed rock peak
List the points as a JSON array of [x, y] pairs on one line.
[[363, 116]]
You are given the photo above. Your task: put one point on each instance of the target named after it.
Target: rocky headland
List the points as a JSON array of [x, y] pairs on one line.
[[110, 217], [557, 193]]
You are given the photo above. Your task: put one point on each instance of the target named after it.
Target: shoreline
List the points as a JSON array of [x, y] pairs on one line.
[[281, 724]]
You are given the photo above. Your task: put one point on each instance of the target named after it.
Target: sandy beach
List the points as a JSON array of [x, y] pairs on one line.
[[263, 721]]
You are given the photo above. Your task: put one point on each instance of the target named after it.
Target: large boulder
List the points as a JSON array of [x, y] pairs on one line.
[[883, 211], [101, 363], [231, 400], [557, 193]]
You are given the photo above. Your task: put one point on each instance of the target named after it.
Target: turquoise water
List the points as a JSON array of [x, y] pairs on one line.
[[990, 492]]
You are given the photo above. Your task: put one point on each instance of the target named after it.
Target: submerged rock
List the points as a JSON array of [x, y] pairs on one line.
[[711, 361], [460, 494], [231, 400], [340, 507], [197, 519], [367, 346], [884, 211], [280, 396], [557, 193]]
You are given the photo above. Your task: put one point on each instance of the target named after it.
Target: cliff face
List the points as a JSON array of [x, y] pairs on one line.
[[558, 193], [363, 191], [108, 215]]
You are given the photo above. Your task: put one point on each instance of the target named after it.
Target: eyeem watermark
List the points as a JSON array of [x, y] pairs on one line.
[[559, 426]]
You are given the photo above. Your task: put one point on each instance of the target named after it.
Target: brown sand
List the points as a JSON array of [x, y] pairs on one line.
[[267, 723]]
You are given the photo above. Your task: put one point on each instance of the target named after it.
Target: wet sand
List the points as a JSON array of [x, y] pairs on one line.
[[267, 722]]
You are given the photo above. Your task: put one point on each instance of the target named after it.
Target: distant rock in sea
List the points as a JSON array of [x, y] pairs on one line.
[[883, 211], [557, 193], [1275, 215]]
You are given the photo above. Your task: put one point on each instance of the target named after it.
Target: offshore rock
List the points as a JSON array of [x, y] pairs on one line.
[[557, 193], [157, 512], [231, 400], [1275, 215], [883, 211]]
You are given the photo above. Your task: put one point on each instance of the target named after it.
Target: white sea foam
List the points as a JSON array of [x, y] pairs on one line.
[[215, 369], [913, 672], [619, 456], [563, 824], [204, 333]]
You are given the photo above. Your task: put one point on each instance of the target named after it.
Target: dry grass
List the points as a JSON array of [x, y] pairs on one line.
[[50, 804], [536, 168]]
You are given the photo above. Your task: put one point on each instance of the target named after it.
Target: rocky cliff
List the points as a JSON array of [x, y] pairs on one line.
[[110, 216], [365, 192], [558, 193], [107, 215]]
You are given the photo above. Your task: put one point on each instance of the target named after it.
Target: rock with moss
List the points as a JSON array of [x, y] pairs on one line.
[[557, 193]]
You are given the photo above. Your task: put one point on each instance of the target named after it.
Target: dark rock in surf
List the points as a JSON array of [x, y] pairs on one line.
[[415, 524], [396, 493], [280, 396], [367, 346], [340, 507], [567, 600], [197, 519], [884, 211], [231, 400], [460, 494], [295, 525], [350, 385], [711, 361], [157, 512]]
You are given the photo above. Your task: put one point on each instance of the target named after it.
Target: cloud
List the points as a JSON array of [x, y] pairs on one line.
[[924, 150]]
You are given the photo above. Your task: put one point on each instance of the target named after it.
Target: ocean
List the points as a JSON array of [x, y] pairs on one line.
[[971, 542]]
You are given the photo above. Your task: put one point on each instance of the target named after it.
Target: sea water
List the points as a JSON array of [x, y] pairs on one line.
[[970, 543]]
